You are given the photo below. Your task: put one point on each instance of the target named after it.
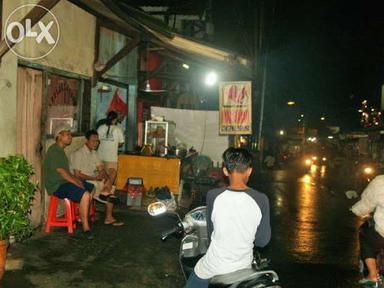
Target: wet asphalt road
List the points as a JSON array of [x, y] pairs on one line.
[[314, 241]]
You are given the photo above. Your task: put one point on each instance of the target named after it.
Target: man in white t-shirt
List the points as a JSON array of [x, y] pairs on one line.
[[237, 220], [87, 166]]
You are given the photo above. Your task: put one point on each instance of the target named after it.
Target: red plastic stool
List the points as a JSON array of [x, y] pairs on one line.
[[66, 221], [75, 211]]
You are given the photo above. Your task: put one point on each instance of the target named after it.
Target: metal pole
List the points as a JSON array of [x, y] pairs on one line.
[[131, 121], [262, 100]]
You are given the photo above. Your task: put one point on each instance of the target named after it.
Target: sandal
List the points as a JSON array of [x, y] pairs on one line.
[[109, 198], [115, 223], [366, 282]]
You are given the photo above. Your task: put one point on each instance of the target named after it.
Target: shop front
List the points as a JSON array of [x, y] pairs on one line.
[[97, 57]]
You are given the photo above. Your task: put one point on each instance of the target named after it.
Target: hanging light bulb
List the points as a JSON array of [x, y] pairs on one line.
[[148, 88]]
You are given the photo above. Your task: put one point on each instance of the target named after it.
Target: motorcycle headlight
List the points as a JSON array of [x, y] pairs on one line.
[[368, 170], [308, 162]]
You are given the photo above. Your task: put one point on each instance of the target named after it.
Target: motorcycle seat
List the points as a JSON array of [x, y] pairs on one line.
[[241, 275]]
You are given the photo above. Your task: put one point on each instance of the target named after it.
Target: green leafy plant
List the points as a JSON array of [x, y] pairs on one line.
[[16, 195]]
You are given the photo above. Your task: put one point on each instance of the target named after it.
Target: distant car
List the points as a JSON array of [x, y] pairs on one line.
[[315, 159]]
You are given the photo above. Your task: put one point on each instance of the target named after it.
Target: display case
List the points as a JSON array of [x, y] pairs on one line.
[[156, 135]]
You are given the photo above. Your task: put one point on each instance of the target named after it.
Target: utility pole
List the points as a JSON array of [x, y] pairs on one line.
[[259, 74]]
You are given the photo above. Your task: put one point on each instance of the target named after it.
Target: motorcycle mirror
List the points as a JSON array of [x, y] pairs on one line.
[[156, 208], [351, 194]]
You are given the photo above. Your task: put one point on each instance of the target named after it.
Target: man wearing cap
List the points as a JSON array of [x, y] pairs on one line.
[[60, 182]]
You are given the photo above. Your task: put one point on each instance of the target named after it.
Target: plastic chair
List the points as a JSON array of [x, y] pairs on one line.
[[67, 220]]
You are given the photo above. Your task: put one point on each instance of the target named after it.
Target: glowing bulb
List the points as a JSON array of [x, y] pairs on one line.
[[211, 79]]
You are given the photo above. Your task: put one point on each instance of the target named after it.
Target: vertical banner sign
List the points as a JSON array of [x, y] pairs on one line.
[[235, 108]]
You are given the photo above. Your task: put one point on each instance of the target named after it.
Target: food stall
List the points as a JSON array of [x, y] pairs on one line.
[[156, 171]]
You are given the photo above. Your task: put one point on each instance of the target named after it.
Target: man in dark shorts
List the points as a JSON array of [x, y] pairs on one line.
[[60, 182]]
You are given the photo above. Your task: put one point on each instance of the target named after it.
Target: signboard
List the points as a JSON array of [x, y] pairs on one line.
[[235, 108]]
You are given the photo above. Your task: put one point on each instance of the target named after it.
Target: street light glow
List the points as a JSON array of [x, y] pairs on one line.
[[185, 66], [322, 118], [281, 132], [291, 103], [211, 78]]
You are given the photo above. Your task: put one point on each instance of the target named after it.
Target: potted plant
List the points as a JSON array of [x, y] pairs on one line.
[[16, 195]]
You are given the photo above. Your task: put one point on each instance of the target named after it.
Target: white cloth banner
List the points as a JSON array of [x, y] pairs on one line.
[[196, 128]]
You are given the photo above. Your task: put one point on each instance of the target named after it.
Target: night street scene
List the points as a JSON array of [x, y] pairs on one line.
[[191, 143]]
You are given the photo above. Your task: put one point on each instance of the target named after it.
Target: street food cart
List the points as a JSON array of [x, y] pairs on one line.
[[155, 171]]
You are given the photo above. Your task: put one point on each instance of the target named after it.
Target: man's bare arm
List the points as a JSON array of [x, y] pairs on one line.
[[84, 177], [102, 174]]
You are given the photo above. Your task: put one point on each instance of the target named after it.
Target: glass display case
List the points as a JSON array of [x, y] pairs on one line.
[[156, 135]]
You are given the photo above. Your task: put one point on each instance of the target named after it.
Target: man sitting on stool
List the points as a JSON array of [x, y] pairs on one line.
[[60, 182], [87, 166]]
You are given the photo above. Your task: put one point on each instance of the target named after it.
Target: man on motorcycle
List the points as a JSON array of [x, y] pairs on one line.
[[371, 237], [237, 220]]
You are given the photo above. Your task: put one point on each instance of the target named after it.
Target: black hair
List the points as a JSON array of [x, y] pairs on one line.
[[89, 133], [237, 159], [110, 117], [101, 122]]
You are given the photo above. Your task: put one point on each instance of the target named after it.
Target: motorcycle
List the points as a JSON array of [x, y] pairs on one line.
[[369, 223], [379, 257], [194, 245]]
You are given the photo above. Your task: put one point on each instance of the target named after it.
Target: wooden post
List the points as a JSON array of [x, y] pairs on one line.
[[118, 56]]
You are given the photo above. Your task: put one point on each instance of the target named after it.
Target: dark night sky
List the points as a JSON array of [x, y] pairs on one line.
[[326, 55]]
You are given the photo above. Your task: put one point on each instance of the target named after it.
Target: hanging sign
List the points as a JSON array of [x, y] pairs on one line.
[[235, 108]]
